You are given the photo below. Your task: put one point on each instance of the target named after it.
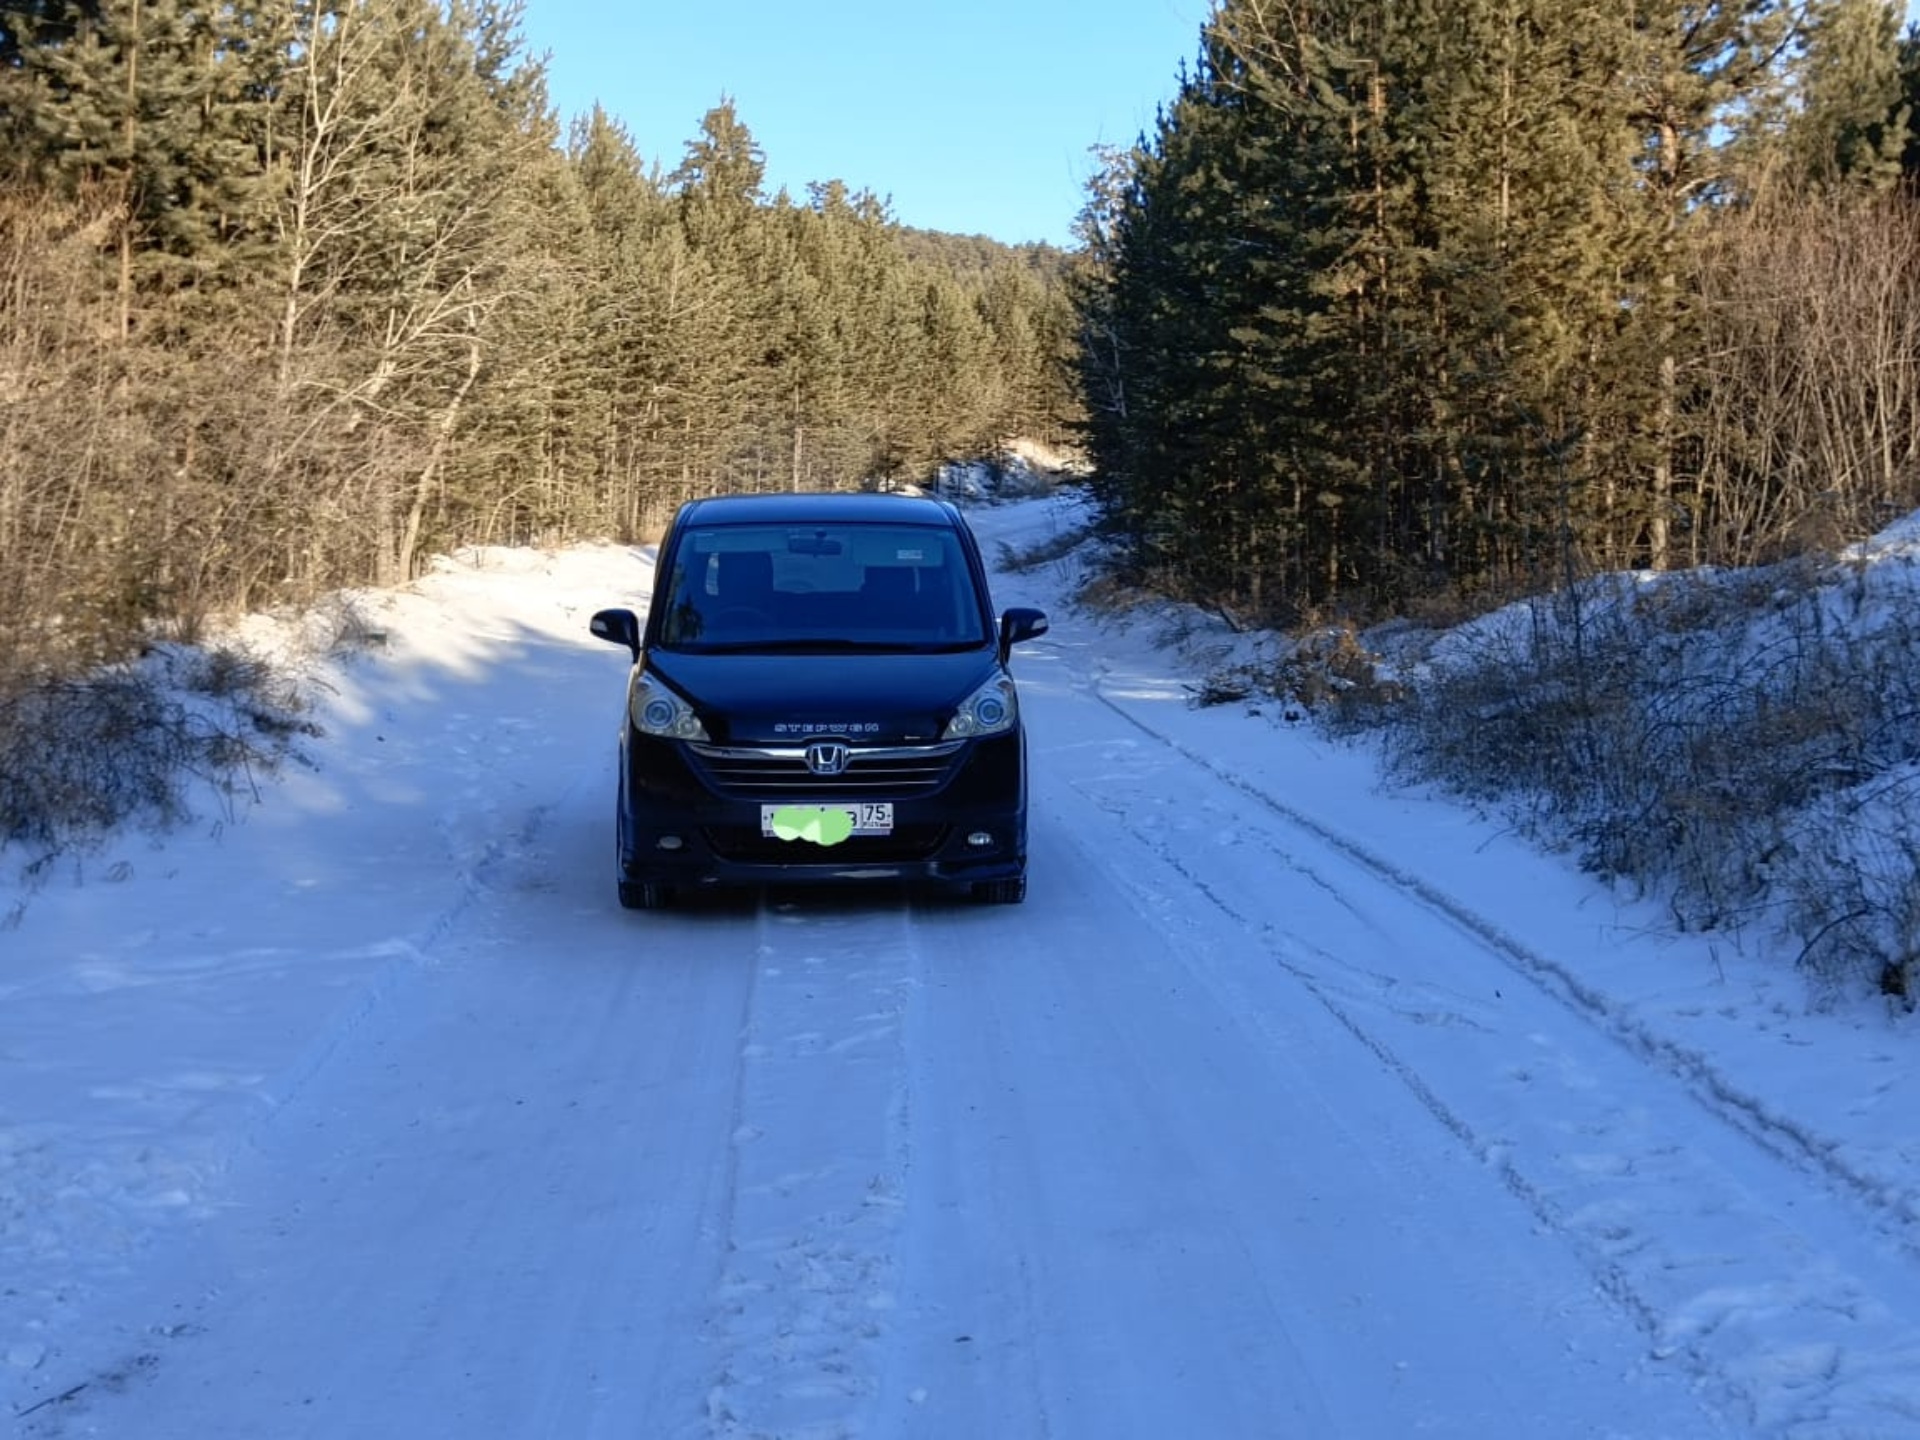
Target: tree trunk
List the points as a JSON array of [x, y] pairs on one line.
[[405, 551]]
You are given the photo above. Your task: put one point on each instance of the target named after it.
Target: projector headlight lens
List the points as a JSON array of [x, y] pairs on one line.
[[987, 711], [656, 710]]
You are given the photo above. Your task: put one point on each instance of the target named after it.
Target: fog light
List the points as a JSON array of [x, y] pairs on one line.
[[670, 842], [980, 839]]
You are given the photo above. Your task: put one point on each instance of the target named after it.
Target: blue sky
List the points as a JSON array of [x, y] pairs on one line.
[[974, 117]]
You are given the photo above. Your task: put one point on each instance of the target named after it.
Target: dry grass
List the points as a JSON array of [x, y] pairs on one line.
[[1721, 742], [135, 743]]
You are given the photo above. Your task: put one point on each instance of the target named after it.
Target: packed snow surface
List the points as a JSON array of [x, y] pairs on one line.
[[1287, 1106]]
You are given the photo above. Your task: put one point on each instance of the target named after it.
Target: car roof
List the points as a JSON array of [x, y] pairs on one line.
[[786, 508]]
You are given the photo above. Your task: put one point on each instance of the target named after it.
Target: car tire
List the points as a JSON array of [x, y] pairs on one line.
[[1001, 892], [645, 895]]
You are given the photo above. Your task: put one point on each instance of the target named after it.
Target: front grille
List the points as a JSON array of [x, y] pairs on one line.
[[779, 772], [908, 842]]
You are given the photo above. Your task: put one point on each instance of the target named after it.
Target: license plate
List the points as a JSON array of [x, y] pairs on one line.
[[827, 824]]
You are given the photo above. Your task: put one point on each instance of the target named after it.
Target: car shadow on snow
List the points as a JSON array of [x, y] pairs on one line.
[[845, 900]]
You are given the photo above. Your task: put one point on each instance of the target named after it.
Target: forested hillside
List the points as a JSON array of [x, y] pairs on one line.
[[1426, 305], [292, 294]]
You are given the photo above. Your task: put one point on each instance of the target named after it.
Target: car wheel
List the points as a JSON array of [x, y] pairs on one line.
[[1001, 892], [645, 895]]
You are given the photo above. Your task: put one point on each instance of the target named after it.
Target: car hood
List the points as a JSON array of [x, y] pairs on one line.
[[785, 699]]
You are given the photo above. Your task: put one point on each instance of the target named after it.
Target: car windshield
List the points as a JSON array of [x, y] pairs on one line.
[[831, 587]]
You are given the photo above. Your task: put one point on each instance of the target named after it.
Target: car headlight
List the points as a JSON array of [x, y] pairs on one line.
[[656, 710], [987, 711]]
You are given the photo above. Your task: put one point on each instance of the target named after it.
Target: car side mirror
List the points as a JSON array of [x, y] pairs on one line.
[[618, 627], [1020, 623]]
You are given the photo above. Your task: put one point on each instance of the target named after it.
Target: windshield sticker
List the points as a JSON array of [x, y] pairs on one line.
[[812, 823], [916, 556]]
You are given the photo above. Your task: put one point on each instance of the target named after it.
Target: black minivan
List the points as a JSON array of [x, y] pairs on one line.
[[820, 693]]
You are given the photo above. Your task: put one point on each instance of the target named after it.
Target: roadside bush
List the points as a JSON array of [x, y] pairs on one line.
[[131, 743], [1743, 744], [1326, 670]]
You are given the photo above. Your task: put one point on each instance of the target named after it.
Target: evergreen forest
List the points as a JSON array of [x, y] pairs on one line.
[[1402, 305], [295, 293], [1412, 306]]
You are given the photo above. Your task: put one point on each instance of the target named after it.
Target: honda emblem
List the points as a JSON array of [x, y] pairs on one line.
[[827, 757]]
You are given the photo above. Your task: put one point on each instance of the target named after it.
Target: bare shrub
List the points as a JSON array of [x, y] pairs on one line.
[[1745, 744], [1846, 870], [87, 755], [1807, 400], [338, 624], [132, 743], [1324, 669]]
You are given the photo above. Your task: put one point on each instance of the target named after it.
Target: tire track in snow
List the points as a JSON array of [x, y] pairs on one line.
[[400, 964], [476, 1226], [407, 957], [802, 1315], [1896, 1210], [1794, 1337], [938, 1364]]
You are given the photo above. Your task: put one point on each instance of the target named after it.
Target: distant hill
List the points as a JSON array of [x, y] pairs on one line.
[[975, 256]]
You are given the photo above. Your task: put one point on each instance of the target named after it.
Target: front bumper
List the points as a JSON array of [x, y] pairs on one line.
[[689, 822]]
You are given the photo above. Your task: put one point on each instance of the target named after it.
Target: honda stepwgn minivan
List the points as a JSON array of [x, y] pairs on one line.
[[820, 692]]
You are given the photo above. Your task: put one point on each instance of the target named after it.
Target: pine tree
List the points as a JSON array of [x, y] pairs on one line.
[[1909, 101], [1515, 136], [1394, 298], [720, 177], [1852, 123], [30, 25], [1245, 307], [1688, 69], [158, 104]]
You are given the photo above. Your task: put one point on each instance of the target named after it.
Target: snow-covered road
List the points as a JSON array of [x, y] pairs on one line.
[[1283, 1108]]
